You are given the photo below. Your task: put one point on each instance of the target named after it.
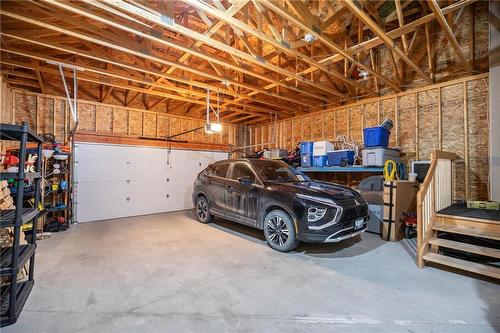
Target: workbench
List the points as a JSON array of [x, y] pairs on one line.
[[348, 175]]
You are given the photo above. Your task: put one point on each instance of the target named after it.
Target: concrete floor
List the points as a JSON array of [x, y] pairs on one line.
[[168, 273]]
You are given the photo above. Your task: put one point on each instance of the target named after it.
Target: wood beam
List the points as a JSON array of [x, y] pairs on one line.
[[401, 23], [141, 53], [157, 19], [396, 33], [145, 55], [279, 45], [384, 36], [451, 37], [40, 81], [327, 41]]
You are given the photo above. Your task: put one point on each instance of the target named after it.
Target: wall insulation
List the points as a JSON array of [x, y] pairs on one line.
[[451, 116], [51, 114]]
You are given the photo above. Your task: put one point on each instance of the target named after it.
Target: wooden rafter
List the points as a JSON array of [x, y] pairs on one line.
[[140, 54], [326, 40], [384, 36], [451, 37]]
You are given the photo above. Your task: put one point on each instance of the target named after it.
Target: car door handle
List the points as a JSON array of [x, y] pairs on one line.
[[229, 188]]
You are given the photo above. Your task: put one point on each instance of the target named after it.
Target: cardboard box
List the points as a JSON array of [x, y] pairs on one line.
[[400, 196]]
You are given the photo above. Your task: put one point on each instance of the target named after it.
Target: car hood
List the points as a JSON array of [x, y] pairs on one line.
[[318, 188]]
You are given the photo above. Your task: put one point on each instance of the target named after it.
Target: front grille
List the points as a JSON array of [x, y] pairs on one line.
[[351, 210]]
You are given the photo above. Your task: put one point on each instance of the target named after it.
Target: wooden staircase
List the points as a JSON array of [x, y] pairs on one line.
[[435, 194]]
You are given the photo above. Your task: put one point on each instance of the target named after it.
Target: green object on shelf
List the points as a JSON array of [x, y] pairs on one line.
[[490, 205]]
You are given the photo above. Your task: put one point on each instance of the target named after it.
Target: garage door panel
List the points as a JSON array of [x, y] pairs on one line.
[[117, 181]]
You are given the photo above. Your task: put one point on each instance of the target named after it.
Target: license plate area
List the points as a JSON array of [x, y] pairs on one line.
[[358, 224]]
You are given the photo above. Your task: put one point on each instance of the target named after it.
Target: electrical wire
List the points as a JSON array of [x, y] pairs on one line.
[[390, 175]]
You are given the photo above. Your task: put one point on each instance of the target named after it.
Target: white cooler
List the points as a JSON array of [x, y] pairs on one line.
[[378, 156], [321, 148]]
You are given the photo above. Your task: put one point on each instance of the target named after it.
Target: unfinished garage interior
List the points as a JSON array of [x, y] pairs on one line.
[[250, 165]]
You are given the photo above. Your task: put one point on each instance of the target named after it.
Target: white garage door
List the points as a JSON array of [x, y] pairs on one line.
[[116, 180]]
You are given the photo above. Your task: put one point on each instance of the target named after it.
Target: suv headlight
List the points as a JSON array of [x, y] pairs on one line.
[[315, 213]]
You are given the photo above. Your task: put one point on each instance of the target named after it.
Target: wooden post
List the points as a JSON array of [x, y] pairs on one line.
[[416, 127], [396, 119], [440, 120], [466, 140]]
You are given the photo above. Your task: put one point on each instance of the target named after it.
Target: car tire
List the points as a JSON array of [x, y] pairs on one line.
[[201, 210], [279, 231]]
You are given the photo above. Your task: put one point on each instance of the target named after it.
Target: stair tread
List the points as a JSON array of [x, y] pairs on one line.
[[466, 231], [466, 247], [465, 265], [467, 218]]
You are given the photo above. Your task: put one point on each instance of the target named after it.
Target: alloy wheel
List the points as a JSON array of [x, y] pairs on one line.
[[202, 209], [277, 230]]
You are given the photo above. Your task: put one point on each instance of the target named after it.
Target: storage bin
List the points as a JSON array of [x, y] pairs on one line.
[[319, 161], [306, 160], [321, 148], [306, 147], [279, 153], [378, 156], [336, 157], [376, 137]]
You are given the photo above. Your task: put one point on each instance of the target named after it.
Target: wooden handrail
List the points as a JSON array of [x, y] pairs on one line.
[[423, 238]]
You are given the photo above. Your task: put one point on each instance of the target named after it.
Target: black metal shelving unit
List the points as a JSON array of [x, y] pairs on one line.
[[14, 258]]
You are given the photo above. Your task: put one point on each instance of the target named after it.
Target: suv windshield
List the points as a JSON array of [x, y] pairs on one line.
[[275, 171]]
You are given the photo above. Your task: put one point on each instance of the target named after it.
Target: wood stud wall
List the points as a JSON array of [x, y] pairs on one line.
[[452, 116], [51, 114]]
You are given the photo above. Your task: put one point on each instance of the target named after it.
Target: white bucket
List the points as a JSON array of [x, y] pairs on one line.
[[412, 177]]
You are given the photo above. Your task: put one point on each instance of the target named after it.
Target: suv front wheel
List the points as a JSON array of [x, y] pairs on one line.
[[279, 231]]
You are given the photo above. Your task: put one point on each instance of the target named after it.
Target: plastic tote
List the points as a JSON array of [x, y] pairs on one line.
[[319, 161], [336, 157], [306, 161], [306, 147], [376, 137]]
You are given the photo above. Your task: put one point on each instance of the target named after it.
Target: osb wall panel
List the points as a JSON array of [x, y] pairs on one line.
[[356, 123], [287, 134], [45, 115], [317, 127], [25, 109], [86, 117], [296, 131], [406, 126], [104, 119], [419, 132], [477, 122], [452, 132], [329, 126], [120, 121], [135, 123], [51, 114], [370, 115], [150, 125], [341, 122], [306, 128], [388, 111], [428, 123], [59, 113], [265, 135]]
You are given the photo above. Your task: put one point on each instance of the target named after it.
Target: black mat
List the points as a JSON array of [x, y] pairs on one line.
[[461, 210]]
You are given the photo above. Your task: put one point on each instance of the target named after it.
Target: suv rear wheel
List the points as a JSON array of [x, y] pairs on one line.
[[279, 231], [201, 210]]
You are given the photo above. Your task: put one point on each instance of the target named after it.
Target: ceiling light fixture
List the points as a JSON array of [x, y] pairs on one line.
[[309, 38]]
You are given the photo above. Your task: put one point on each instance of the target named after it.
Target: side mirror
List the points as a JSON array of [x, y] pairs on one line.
[[246, 180]]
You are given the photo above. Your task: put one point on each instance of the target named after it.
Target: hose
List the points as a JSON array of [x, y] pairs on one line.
[[389, 176]]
